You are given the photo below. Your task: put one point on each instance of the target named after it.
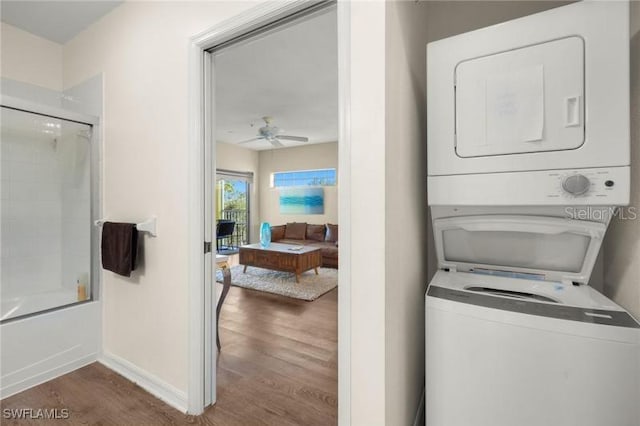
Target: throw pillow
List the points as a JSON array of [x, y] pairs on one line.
[[277, 232], [315, 232], [295, 231], [332, 233]]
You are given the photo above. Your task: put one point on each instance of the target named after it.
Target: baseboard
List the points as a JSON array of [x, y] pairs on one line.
[[43, 377], [420, 414], [152, 384]]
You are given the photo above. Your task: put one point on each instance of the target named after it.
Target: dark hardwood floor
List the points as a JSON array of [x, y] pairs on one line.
[[278, 366]]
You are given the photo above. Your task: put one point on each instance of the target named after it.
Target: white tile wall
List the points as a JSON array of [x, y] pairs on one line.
[[76, 211], [45, 210], [31, 238]]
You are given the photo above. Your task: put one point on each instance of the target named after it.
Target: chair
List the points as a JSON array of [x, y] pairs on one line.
[[224, 229], [221, 263]]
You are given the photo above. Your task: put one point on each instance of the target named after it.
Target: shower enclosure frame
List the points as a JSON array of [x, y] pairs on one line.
[[49, 343], [95, 179]]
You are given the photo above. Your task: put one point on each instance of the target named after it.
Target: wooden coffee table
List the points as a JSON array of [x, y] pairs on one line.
[[281, 257]]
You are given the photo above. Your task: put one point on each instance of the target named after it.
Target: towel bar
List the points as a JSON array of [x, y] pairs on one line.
[[148, 226]]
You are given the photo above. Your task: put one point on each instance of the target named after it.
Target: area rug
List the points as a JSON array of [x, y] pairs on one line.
[[310, 287]]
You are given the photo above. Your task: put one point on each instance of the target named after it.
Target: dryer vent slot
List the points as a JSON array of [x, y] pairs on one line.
[[511, 293]]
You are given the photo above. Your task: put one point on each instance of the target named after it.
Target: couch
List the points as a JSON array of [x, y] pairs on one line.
[[300, 233]]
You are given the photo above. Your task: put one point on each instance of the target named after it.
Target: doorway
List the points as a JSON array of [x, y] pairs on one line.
[[243, 32], [275, 109]]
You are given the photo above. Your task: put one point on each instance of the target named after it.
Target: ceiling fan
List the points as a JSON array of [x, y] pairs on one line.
[[272, 135]]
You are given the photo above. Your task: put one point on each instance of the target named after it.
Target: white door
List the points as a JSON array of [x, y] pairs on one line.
[[209, 236], [523, 100]]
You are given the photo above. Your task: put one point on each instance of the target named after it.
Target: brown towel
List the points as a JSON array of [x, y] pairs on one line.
[[119, 247]]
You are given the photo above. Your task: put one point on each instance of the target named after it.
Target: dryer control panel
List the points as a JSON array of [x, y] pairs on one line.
[[599, 186], [576, 184], [590, 184]]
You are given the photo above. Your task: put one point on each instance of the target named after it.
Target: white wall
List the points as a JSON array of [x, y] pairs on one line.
[[142, 49], [622, 243], [239, 159], [406, 208], [367, 183], [317, 156], [30, 59], [450, 18]]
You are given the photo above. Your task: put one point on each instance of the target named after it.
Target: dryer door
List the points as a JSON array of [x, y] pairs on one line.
[[523, 100], [553, 249], [543, 92]]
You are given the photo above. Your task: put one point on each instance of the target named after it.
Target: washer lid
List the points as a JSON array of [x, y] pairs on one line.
[[548, 248]]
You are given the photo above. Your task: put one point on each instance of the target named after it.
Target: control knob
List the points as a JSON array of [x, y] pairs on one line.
[[576, 184]]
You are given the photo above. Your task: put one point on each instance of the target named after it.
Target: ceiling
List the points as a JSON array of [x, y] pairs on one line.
[[290, 75], [58, 21]]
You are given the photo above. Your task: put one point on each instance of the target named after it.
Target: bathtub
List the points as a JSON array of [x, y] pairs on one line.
[[38, 348], [14, 307], [49, 244]]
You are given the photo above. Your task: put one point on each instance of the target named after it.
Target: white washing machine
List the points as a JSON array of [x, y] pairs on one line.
[[515, 339], [528, 154]]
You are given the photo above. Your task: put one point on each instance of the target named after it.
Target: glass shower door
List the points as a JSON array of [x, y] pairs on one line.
[[45, 236]]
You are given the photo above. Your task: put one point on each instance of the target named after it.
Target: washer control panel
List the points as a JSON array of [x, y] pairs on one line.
[[576, 184], [584, 184], [599, 186]]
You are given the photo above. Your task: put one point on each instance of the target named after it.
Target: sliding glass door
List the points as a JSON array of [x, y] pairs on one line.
[[232, 212]]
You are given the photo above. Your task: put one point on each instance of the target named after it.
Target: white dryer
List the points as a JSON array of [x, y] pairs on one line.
[[513, 334], [542, 99], [528, 154]]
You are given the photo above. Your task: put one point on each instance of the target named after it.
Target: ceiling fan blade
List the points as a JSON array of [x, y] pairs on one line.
[[293, 138], [250, 140], [275, 142]]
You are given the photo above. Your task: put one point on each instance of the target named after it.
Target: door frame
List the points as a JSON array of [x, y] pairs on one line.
[[201, 334]]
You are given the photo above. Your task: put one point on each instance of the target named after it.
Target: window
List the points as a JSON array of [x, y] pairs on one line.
[[232, 192], [319, 177]]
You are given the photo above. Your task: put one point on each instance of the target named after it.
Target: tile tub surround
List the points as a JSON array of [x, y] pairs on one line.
[[31, 204], [45, 205]]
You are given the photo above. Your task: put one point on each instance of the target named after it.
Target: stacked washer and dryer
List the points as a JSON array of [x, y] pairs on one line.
[[528, 157]]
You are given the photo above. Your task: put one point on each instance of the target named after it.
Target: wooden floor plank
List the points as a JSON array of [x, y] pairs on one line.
[[277, 367]]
